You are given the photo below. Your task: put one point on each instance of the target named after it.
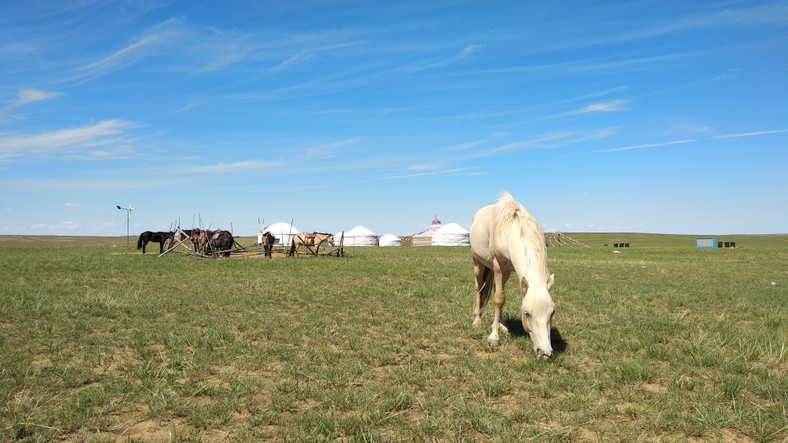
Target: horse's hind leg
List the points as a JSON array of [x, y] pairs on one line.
[[499, 298], [478, 276]]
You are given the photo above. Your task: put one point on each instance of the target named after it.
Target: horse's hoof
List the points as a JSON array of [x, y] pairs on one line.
[[477, 323], [503, 328], [494, 342]]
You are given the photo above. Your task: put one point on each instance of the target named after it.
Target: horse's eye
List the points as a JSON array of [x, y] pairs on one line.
[[527, 314]]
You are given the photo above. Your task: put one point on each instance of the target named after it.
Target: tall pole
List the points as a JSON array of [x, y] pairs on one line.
[[128, 215]]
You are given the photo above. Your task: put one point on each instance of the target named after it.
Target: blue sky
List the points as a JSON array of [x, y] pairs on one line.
[[667, 117]]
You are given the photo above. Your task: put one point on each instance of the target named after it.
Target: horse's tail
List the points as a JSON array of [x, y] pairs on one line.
[[488, 285], [292, 246], [139, 242]]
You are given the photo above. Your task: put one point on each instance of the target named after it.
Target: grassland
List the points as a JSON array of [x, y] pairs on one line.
[[660, 342]]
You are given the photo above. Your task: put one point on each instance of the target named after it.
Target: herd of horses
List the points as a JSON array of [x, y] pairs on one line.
[[205, 242], [221, 242], [505, 238]]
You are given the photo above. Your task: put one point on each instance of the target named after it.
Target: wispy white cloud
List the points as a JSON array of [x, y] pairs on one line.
[[71, 205], [688, 141], [611, 106], [124, 56], [225, 168], [544, 141], [646, 146], [328, 150], [445, 61], [292, 61], [47, 143], [466, 146], [40, 184], [66, 227], [433, 172], [179, 46], [469, 50], [759, 16], [424, 167], [751, 134], [30, 95]]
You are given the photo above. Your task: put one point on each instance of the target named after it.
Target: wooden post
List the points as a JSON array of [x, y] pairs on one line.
[[180, 242]]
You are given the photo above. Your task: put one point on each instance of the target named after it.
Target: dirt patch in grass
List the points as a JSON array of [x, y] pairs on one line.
[[149, 430], [654, 388]]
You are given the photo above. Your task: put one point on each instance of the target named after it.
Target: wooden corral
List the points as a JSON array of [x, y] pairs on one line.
[[558, 239], [319, 249], [185, 247]]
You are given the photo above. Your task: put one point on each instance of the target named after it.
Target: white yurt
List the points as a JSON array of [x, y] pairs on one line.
[[451, 234], [283, 232], [360, 236], [390, 240]]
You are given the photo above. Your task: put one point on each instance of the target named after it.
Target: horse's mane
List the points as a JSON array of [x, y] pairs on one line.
[[508, 211]]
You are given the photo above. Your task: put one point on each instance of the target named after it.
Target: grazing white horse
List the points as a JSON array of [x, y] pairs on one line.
[[505, 237]]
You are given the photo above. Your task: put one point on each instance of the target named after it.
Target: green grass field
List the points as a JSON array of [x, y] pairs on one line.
[[660, 342]]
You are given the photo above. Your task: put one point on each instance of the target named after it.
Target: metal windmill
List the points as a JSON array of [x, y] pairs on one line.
[[128, 216]]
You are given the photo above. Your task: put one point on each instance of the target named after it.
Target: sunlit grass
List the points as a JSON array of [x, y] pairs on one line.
[[661, 341]]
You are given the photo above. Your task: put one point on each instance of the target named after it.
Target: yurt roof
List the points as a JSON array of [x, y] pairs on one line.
[[359, 231], [451, 228], [281, 228]]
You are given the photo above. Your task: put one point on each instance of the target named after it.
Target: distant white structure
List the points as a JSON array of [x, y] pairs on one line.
[[360, 236], [283, 232], [451, 234], [390, 240], [424, 238]]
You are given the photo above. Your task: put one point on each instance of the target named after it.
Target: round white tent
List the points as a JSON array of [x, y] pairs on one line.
[[390, 240], [283, 232], [360, 236], [451, 234]]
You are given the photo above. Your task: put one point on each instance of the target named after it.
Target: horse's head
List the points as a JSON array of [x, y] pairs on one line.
[[330, 239], [537, 313]]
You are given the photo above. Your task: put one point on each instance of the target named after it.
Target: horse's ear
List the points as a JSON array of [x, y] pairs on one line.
[[550, 282], [524, 285]]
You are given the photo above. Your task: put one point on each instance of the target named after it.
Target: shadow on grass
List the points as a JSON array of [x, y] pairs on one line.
[[515, 327]]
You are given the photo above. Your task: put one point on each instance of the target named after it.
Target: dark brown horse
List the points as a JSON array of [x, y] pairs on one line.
[[190, 234], [220, 242]]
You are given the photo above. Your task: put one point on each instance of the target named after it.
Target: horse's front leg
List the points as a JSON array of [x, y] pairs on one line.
[[499, 298]]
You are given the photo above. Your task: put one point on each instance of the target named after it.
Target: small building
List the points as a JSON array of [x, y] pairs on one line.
[[705, 243], [424, 238]]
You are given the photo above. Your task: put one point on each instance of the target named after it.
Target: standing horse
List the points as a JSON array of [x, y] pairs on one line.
[[309, 240], [506, 238], [220, 242], [268, 241], [159, 237], [191, 234]]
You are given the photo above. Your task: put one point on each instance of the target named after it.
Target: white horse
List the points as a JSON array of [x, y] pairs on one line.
[[506, 238]]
